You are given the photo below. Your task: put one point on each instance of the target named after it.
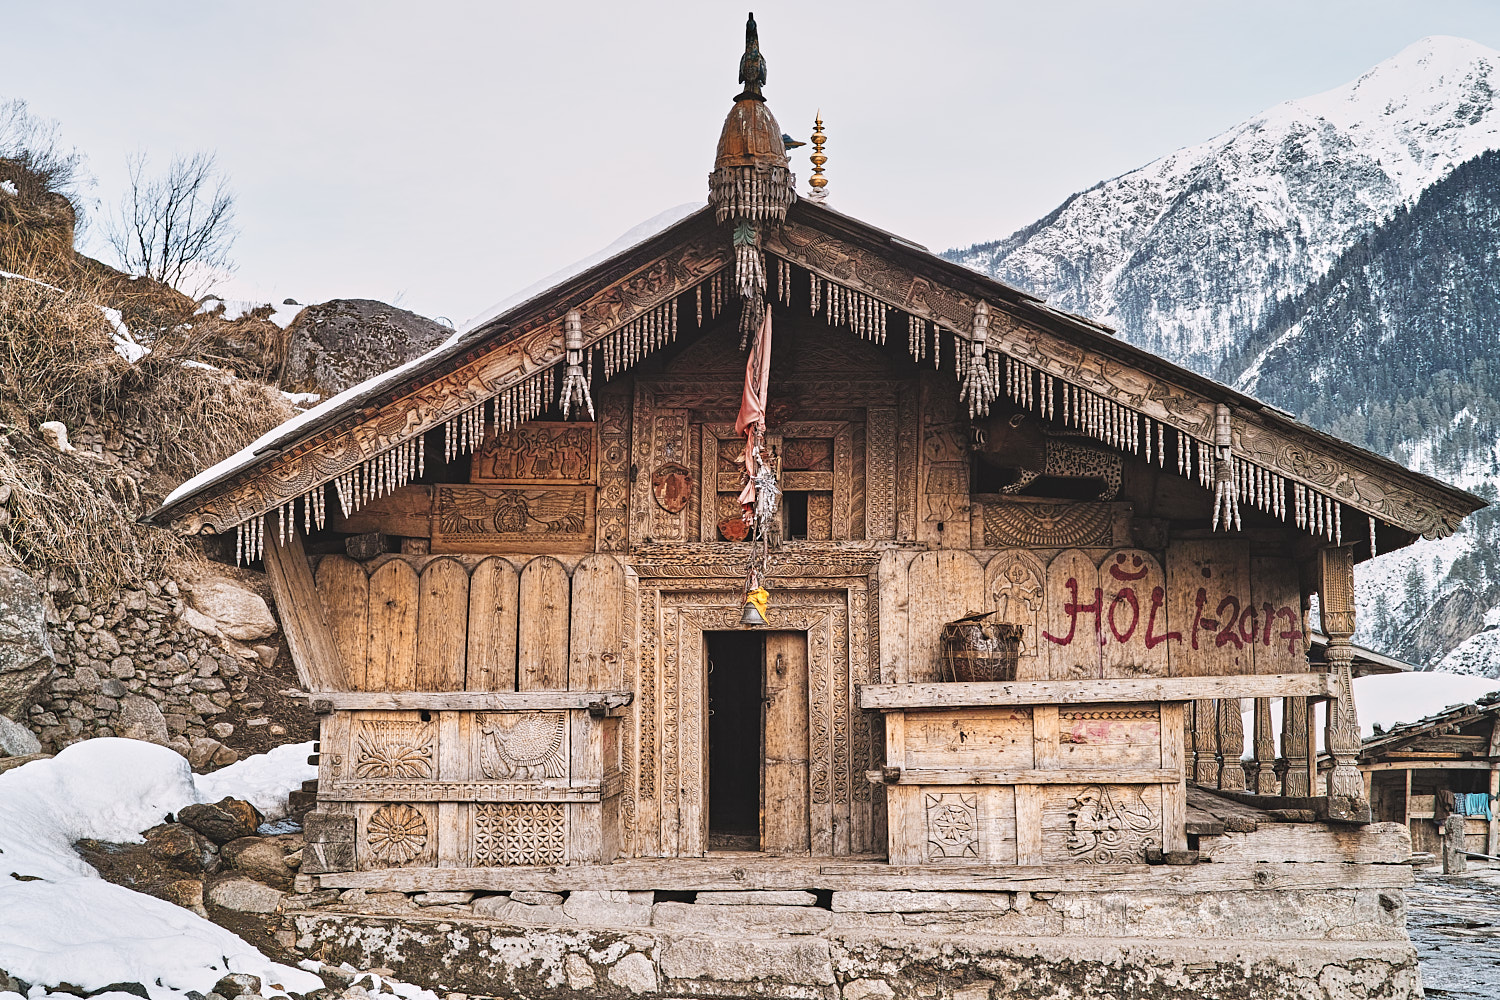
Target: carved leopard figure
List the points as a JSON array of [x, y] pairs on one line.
[[1033, 449]]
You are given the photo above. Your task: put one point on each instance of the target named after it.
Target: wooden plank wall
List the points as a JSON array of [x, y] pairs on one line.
[[441, 623]]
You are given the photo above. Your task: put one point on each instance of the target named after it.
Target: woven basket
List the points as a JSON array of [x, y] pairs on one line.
[[981, 651]]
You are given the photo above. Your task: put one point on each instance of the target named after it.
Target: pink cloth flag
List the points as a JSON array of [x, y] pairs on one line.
[[752, 415]]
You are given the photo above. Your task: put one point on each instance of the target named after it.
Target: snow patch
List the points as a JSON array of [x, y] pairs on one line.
[[62, 923]]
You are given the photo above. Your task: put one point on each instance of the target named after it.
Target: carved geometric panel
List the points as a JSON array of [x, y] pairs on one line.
[[519, 833], [952, 826], [397, 750], [522, 746], [537, 452]]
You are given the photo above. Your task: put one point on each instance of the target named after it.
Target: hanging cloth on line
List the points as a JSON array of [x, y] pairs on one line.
[[751, 422]]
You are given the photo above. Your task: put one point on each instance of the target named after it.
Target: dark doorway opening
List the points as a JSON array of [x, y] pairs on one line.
[[734, 749]]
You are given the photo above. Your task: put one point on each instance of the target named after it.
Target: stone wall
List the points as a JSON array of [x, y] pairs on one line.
[[193, 660]]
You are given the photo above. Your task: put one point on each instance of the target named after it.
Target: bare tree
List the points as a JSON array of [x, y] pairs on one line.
[[34, 143], [178, 227]]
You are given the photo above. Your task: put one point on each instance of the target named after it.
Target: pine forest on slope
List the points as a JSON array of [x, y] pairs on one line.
[[1337, 256]]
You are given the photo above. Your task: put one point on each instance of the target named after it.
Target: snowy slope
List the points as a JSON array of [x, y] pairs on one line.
[[1187, 253]]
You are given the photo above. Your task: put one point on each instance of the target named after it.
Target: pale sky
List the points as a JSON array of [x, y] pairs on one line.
[[441, 155]]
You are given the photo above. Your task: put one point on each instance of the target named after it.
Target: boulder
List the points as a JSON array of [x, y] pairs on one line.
[[635, 973], [239, 613], [201, 752], [26, 657], [445, 897], [246, 896], [140, 719], [16, 740], [222, 821], [237, 984], [342, 342], [179, 846], [261, 859], [186, 893]]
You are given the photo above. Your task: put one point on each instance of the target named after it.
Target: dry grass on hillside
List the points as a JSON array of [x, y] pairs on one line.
[[78, 512]]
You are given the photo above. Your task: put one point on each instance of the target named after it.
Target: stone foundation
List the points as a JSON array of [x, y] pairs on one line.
[[1340, 944]]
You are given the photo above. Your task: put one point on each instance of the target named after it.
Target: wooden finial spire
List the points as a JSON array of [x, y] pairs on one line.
[[818, 181]]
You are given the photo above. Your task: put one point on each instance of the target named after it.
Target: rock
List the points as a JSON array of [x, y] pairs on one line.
[[140, 719], [342, 342], [16, 740], [223, 730], [531, 898], [55, 433], [11, 763], [804, 961], [179, 846], [759, 921], [580, 973], [903, 901], [186, 893], [520, 914], [978, 990], [635, 973], [447, 898], [201, 752], [198, 620], [222, 821], [764, 897], [246, 896], [237, 984], [239, 613], [609, 908], [868, 989], [225, 756], [26, 656], [261, 859]]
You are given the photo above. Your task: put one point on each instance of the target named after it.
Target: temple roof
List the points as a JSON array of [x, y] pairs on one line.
[[666, 256]]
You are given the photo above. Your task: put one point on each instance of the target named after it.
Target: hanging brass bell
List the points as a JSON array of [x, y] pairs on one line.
[[751, 615]]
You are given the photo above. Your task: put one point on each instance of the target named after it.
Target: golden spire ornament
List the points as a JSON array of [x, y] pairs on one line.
[[818, 181]]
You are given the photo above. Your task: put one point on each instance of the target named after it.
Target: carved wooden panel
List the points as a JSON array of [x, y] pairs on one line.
[[1100, 824], [1072, 635], [880, 472], [944, 825], [945, 467], [978, 738], [536, 452], [394, 749], [670, 448], [513, 519], [614, 470], [1015, 582], [519, 833], [397, 835], [952, 823], [522, 746], [1047, 525]]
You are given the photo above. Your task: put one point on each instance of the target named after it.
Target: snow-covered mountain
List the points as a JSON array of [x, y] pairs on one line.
[[1338, 256], [1189, 253]]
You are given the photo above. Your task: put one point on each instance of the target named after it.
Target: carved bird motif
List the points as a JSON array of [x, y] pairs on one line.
[[477, 511], [752, 63], [529, 749]]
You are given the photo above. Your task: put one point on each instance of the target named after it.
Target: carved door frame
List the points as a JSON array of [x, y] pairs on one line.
[[670, 746]]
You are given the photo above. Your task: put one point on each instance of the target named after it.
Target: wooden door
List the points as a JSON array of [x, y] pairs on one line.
[[784, 782]]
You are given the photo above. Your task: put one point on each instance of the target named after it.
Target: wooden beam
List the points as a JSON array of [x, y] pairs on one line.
[[315, 654], [460, 791], [741, 872], [471, 701], [1060, 776], [1120, 689], [1427, 765]]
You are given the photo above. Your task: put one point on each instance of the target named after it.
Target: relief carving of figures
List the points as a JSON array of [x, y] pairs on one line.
[[485, 512], [952, 826], [523, 747], [537, 452], [1111, 825], [394, 750], [1016, 583]]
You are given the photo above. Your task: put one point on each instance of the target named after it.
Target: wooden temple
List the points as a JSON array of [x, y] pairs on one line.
[[513, 574]]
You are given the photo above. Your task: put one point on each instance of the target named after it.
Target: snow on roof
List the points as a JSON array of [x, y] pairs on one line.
[[288, 431], [1392, 699]]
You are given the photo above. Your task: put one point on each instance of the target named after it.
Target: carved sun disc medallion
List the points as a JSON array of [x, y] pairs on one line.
[[672, 485]]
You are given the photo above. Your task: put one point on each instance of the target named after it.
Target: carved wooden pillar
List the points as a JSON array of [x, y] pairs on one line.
[[1336, 601], [1263, 770], [1231, 745], [1205, 744], [1294, 736]]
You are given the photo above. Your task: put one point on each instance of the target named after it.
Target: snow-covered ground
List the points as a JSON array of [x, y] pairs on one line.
[[60, 922]]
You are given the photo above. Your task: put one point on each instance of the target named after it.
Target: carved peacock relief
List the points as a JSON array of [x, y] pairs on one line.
[[523, 746]]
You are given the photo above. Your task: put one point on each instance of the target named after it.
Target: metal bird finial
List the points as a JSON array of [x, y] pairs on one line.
[[788, 142], [752, 63]]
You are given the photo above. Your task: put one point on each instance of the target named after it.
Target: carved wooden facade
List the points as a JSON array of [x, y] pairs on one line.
[[521, 677]]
